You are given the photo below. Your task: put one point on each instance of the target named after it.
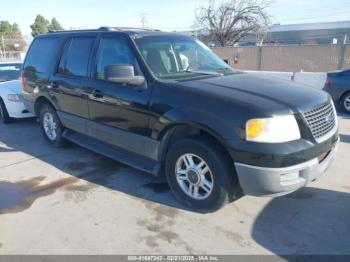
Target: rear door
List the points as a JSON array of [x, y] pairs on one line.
[[69, 83], [38, 66]]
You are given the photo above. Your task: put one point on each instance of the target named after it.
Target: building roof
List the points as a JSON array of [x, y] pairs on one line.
[[310, 26]]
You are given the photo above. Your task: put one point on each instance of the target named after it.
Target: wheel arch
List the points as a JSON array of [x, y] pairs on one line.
[[342, 100], [180, 123], [185, 129], [347, 92], [39, 102]]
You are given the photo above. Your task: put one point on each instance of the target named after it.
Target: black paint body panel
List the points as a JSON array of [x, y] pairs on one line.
[[139, 118]]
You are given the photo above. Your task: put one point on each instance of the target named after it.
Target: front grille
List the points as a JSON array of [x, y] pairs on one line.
[[321, 120]]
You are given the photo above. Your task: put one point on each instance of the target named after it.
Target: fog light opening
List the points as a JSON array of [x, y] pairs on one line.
[[289, 178]]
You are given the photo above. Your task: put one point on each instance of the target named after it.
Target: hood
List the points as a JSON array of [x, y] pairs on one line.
[[13, 87], [264, 93]]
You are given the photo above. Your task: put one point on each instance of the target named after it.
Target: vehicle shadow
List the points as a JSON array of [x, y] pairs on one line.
[[310, 221], [25, 138]]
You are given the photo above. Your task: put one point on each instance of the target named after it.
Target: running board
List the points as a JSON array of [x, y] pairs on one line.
[[123, 156]]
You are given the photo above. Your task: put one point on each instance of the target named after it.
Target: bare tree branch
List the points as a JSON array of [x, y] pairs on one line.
[[229, 21]]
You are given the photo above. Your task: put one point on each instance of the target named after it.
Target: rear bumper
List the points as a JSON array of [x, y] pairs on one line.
[[263, 181]]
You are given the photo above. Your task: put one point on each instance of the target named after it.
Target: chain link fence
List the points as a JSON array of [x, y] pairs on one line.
[[288, 58], [11, 56]]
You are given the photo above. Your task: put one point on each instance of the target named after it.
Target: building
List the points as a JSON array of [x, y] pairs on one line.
[[294, 34], [311, 33]]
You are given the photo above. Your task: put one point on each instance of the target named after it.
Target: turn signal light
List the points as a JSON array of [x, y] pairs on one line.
[[254, 128], [328, 82]]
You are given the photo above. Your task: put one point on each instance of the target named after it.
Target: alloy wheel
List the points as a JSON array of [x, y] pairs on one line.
[[347, 103], [194, 176], [50, 126]]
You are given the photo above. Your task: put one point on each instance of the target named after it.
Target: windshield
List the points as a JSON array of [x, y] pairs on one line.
[[10, 72], [178, 57]]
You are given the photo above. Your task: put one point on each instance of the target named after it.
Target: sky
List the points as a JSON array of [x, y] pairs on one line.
[[166, 15]]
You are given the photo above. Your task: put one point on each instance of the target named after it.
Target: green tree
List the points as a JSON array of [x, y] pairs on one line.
[[40, 26], [55, 25], [8, 30], [12, 35]]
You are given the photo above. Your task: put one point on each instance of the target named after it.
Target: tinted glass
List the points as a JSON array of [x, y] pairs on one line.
[[76, 55], [10, 72], [177, 57], [115, 51], [41, 54], [63, 60]]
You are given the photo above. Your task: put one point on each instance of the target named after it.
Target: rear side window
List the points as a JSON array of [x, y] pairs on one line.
[[41, 54], [75, 57]]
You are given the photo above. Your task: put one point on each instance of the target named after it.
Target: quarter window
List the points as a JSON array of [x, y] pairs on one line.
[[41, 54], [76, 56]]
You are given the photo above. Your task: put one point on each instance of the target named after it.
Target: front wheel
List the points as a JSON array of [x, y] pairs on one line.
[[4, 115], [51, 126], [200, 174], [345, 102]]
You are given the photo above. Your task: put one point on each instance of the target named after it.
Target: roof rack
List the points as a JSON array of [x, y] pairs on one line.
[[73, 30], [103, 28], [111, 28]]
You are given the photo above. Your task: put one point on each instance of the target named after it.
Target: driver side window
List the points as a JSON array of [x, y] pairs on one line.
[[114, 51]]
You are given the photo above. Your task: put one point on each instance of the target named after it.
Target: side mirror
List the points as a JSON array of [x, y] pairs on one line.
[[226, 61], [123, 74]]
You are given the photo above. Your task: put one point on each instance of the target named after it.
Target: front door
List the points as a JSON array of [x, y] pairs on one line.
[[119, 113]]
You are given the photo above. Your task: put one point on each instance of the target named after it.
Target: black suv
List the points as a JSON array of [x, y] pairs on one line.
[[166, 104]]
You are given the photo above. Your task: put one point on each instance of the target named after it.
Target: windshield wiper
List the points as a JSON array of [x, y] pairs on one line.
[[224, 69], [201, 72]]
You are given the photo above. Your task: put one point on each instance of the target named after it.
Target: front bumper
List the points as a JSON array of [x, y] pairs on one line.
[[17, 109], [264, 181]]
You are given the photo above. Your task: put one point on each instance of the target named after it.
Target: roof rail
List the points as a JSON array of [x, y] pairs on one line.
[[73, 30], [111, 28], [102, 28]]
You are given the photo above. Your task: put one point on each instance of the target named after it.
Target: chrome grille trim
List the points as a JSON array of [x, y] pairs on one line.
[[322, 121]]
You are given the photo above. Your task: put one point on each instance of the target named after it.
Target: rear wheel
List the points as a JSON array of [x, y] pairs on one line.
[[345, 102], [51, 126], [4, 116], [201, 174]]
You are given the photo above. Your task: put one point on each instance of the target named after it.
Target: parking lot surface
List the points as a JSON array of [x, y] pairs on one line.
[[72, 201]]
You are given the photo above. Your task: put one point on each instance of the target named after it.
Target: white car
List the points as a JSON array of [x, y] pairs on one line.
[[11, 102]]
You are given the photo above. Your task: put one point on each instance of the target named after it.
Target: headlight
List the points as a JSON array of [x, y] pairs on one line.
[[14, 97], [273, 130]]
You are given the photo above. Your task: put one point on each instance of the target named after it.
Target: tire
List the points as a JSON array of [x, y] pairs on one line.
[[220, 173], [345, 102], [4, 115], [51, 126]]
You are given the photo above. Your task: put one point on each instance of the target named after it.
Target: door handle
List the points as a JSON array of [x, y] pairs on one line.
[[97, 93], [54, 85]]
